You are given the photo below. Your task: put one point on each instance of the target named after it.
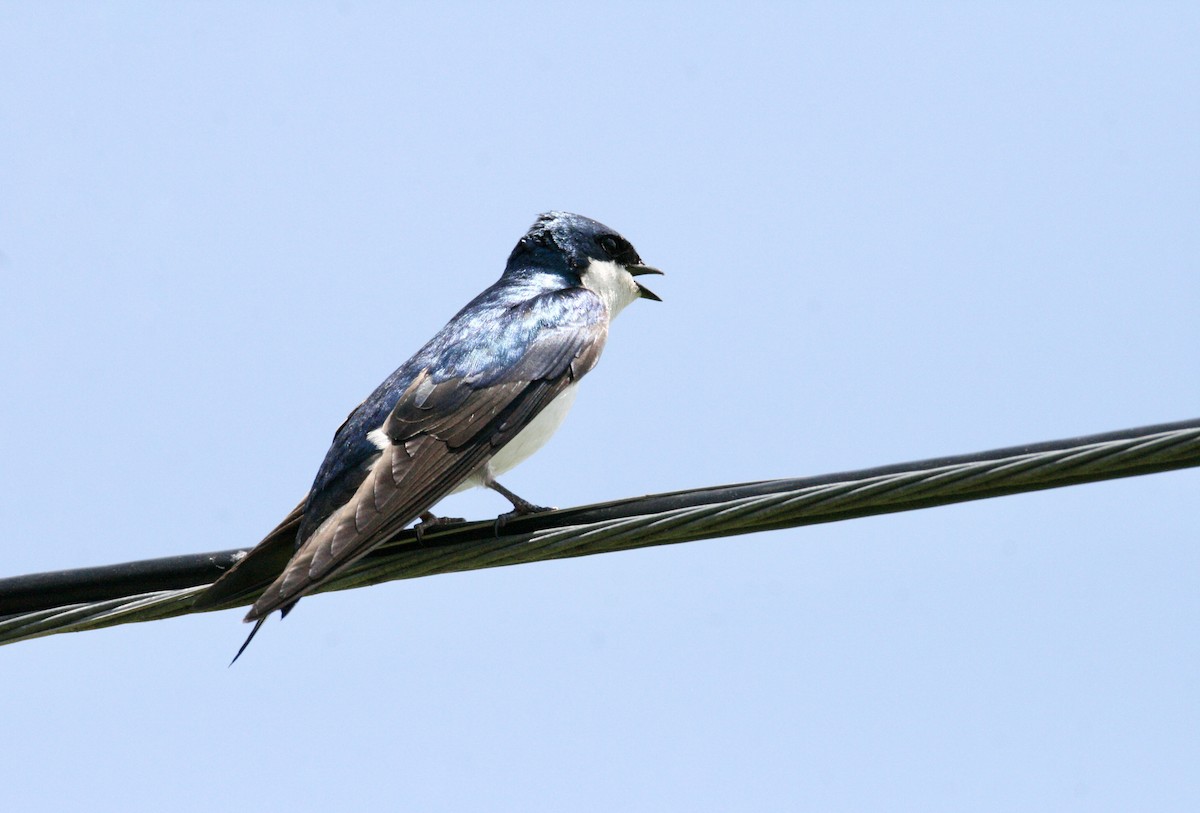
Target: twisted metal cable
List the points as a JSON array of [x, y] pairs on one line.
[[29, 606]]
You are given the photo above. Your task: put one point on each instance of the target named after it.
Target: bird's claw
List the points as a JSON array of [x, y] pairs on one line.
[[430, 522], [523, 510]]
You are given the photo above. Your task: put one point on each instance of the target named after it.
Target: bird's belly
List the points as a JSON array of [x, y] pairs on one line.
[[527, 441]]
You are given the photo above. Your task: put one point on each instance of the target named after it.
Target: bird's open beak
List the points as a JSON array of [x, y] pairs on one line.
[[639, 270]]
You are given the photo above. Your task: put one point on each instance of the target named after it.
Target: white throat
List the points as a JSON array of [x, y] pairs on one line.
[[612, 283]]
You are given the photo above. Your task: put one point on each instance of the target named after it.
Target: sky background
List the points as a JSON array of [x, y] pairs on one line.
[[891, 232]]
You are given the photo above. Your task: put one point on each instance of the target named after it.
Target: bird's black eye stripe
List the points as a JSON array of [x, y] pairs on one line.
[[619, 249]]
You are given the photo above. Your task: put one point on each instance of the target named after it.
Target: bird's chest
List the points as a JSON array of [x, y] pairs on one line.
[[535, 435]]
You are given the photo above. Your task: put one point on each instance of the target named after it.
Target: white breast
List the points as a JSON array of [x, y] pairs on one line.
[[527, 441]]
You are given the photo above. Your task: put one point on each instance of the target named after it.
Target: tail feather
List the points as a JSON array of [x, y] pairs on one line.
[[246, 643]]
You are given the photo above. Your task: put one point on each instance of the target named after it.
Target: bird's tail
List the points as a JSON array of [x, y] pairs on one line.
[[249, 638]]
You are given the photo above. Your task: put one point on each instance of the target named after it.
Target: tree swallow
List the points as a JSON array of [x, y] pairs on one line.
[[481, 396]]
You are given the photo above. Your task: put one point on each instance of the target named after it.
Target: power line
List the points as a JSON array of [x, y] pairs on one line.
[[90, 598]]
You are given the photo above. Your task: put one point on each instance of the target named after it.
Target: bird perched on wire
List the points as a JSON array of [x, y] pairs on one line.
[[481, 396]]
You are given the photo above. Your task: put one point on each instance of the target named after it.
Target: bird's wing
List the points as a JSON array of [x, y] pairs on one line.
[[442, 431], [257, 569]]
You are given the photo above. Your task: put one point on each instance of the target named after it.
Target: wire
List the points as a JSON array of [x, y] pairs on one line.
[[90, 598]]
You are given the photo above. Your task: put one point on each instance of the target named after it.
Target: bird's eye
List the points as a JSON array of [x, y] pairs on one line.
[[609, 244]]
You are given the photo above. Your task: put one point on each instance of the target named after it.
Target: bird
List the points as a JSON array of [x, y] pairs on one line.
[[485, 393]]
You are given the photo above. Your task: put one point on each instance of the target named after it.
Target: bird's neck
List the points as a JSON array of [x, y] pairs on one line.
[[611, 282]]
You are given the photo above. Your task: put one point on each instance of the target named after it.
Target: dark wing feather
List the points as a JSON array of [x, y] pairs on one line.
[[257, 569], [440, 433]]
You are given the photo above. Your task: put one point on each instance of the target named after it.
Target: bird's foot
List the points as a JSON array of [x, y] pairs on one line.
[[431, 522], [520, 506], [524, 510]]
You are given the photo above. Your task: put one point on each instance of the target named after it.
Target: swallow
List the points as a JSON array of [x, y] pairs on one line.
[[480, 397]]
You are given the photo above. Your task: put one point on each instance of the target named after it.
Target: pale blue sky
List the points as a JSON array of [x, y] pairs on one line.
[[891, 232]]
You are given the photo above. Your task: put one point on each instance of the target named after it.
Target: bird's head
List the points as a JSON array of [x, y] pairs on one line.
[[585, 253]]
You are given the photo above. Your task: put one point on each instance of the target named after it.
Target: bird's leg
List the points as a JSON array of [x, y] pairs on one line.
[[429, 521], [521, 507]]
